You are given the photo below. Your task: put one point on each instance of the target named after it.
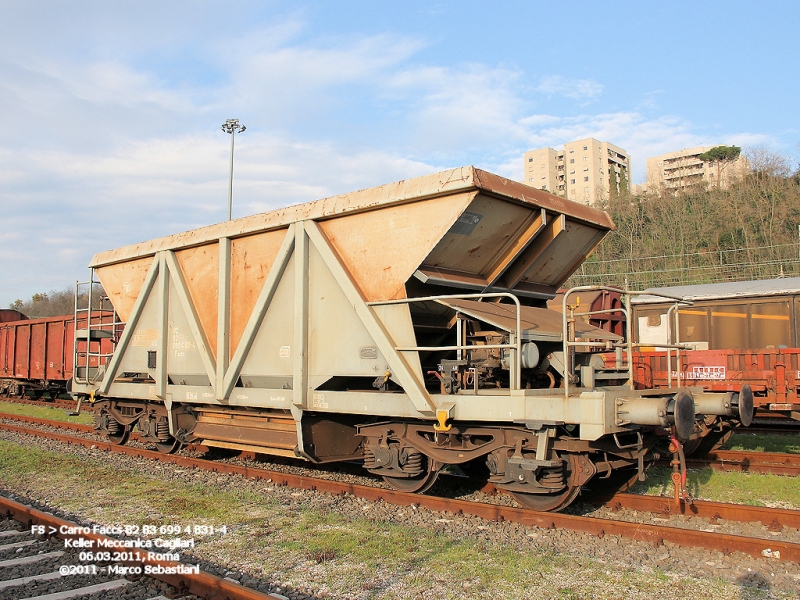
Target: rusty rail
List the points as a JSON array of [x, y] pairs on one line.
[[774, 518], [654, 534], [80, 427], [62, 404], [201, 584], [722, 460], [748, 461]]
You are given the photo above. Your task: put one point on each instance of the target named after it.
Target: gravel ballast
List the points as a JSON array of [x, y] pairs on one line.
[[265, 550]]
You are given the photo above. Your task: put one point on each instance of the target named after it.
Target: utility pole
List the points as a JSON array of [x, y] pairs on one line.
[[233, 127]]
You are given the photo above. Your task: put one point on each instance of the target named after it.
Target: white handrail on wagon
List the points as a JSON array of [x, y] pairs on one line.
[[625, 295], [516, 345]]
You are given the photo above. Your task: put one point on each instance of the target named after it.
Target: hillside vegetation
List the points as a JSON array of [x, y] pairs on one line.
[[751, 230]]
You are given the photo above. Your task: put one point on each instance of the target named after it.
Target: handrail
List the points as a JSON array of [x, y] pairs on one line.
[[516, 345], [626, 311], [83, 358], [568, 367], [677, 341]]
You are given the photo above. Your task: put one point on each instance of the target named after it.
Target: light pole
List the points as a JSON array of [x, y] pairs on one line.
[[233, 127]]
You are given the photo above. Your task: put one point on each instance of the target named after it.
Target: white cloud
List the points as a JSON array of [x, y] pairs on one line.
[[585, 90], [109, 135]]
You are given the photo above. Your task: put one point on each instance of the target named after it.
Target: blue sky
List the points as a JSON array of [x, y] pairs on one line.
[[110, 111]]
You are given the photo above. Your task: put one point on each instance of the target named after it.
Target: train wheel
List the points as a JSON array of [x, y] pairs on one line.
[[117, 432], [555, 501], [420, 483], [548, 502], [120, 436], [168, 446]]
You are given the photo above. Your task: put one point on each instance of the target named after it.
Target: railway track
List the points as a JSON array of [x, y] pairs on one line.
[[722, 460], [58, 403], [654, 534], [37, 531], [748, 461]]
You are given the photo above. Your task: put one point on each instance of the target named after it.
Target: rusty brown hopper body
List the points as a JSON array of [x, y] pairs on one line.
[[306, 308], [464, 228]]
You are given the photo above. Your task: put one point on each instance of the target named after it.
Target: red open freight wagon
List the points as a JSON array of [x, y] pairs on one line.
[[37, 355]]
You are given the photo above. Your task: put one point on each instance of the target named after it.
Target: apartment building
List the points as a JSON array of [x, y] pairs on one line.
[[584, 171], [678, 170]]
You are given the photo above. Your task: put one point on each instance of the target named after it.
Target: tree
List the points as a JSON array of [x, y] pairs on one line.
[[723, 156], [623, 181], [48, 304], [612, 181]]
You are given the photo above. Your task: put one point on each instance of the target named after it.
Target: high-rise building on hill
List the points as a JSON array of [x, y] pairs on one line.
[[585, 171]]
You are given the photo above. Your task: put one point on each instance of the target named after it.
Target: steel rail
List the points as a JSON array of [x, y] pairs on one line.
[[201, 584], [748, 461], [62, 404], [80, 427], [723, 460], [653, 534], [774, 518]]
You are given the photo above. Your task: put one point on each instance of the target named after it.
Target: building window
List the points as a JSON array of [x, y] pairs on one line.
[[544, 187], [585, 158], [571, 160], [585, 168], [544, 176], [530, 159], [586, 147], [572, 151], [572, 171], [531, 179], [572, 181], [586, 190], [542, 167], [586, 178]]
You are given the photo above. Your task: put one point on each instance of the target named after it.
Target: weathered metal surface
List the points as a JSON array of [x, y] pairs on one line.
[[773, 374], [282, 285], [463, 179], [315, 310], [537, 323], [753, 462], [730, 289], [37, 349], [6, 315], [774, 518]]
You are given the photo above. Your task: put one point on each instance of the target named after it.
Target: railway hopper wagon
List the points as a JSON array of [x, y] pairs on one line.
[[403, 325], [728, 335], [37, 356]]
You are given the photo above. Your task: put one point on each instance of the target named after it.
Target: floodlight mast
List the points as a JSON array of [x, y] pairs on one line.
[[231, 126]]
